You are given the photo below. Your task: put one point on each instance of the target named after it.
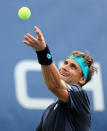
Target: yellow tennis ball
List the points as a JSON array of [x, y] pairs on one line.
[[24, 13]]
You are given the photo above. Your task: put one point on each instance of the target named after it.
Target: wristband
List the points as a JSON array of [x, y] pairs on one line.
[[44, 56]]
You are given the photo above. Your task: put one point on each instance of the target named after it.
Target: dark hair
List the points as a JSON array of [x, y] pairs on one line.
[[87, 60]]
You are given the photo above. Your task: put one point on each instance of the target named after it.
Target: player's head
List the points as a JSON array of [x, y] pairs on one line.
[[77, 68]]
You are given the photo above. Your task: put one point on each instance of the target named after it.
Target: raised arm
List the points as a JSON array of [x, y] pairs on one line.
[[50, 72]]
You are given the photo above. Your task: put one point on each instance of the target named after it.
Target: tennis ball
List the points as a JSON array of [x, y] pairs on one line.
[[24, 13]]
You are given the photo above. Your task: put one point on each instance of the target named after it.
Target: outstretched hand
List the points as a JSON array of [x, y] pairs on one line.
[[37, 43]]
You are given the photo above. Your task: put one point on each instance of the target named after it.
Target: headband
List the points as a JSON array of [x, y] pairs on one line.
[[84, 67]]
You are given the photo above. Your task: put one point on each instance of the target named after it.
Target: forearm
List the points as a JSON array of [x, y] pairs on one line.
[[51, 76], [54, 83], [50, 72]]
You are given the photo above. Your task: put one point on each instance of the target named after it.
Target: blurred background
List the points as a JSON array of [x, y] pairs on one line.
[[67, 25]]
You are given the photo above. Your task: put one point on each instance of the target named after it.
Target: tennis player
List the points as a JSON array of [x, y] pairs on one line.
[[71, 112]]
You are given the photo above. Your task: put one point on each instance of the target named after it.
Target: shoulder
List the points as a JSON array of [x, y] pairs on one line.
[[74, 88], [78, 97]]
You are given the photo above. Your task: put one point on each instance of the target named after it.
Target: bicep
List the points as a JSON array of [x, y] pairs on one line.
[[61, 92]]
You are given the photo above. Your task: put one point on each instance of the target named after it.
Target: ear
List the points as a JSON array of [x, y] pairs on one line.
[[82, 80]]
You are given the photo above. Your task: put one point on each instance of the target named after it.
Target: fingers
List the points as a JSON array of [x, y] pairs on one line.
[[29, 38], [39, 33], [27, 43], [30, 41], [36, 43]]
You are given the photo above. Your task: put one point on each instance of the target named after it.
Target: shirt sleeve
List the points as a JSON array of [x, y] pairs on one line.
[[44, 116], [39, 127], [78, 100]]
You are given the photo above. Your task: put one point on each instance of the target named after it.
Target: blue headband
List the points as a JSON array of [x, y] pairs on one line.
[[84, 67]]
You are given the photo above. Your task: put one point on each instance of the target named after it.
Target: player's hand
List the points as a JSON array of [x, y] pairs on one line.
[[37, 43]]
